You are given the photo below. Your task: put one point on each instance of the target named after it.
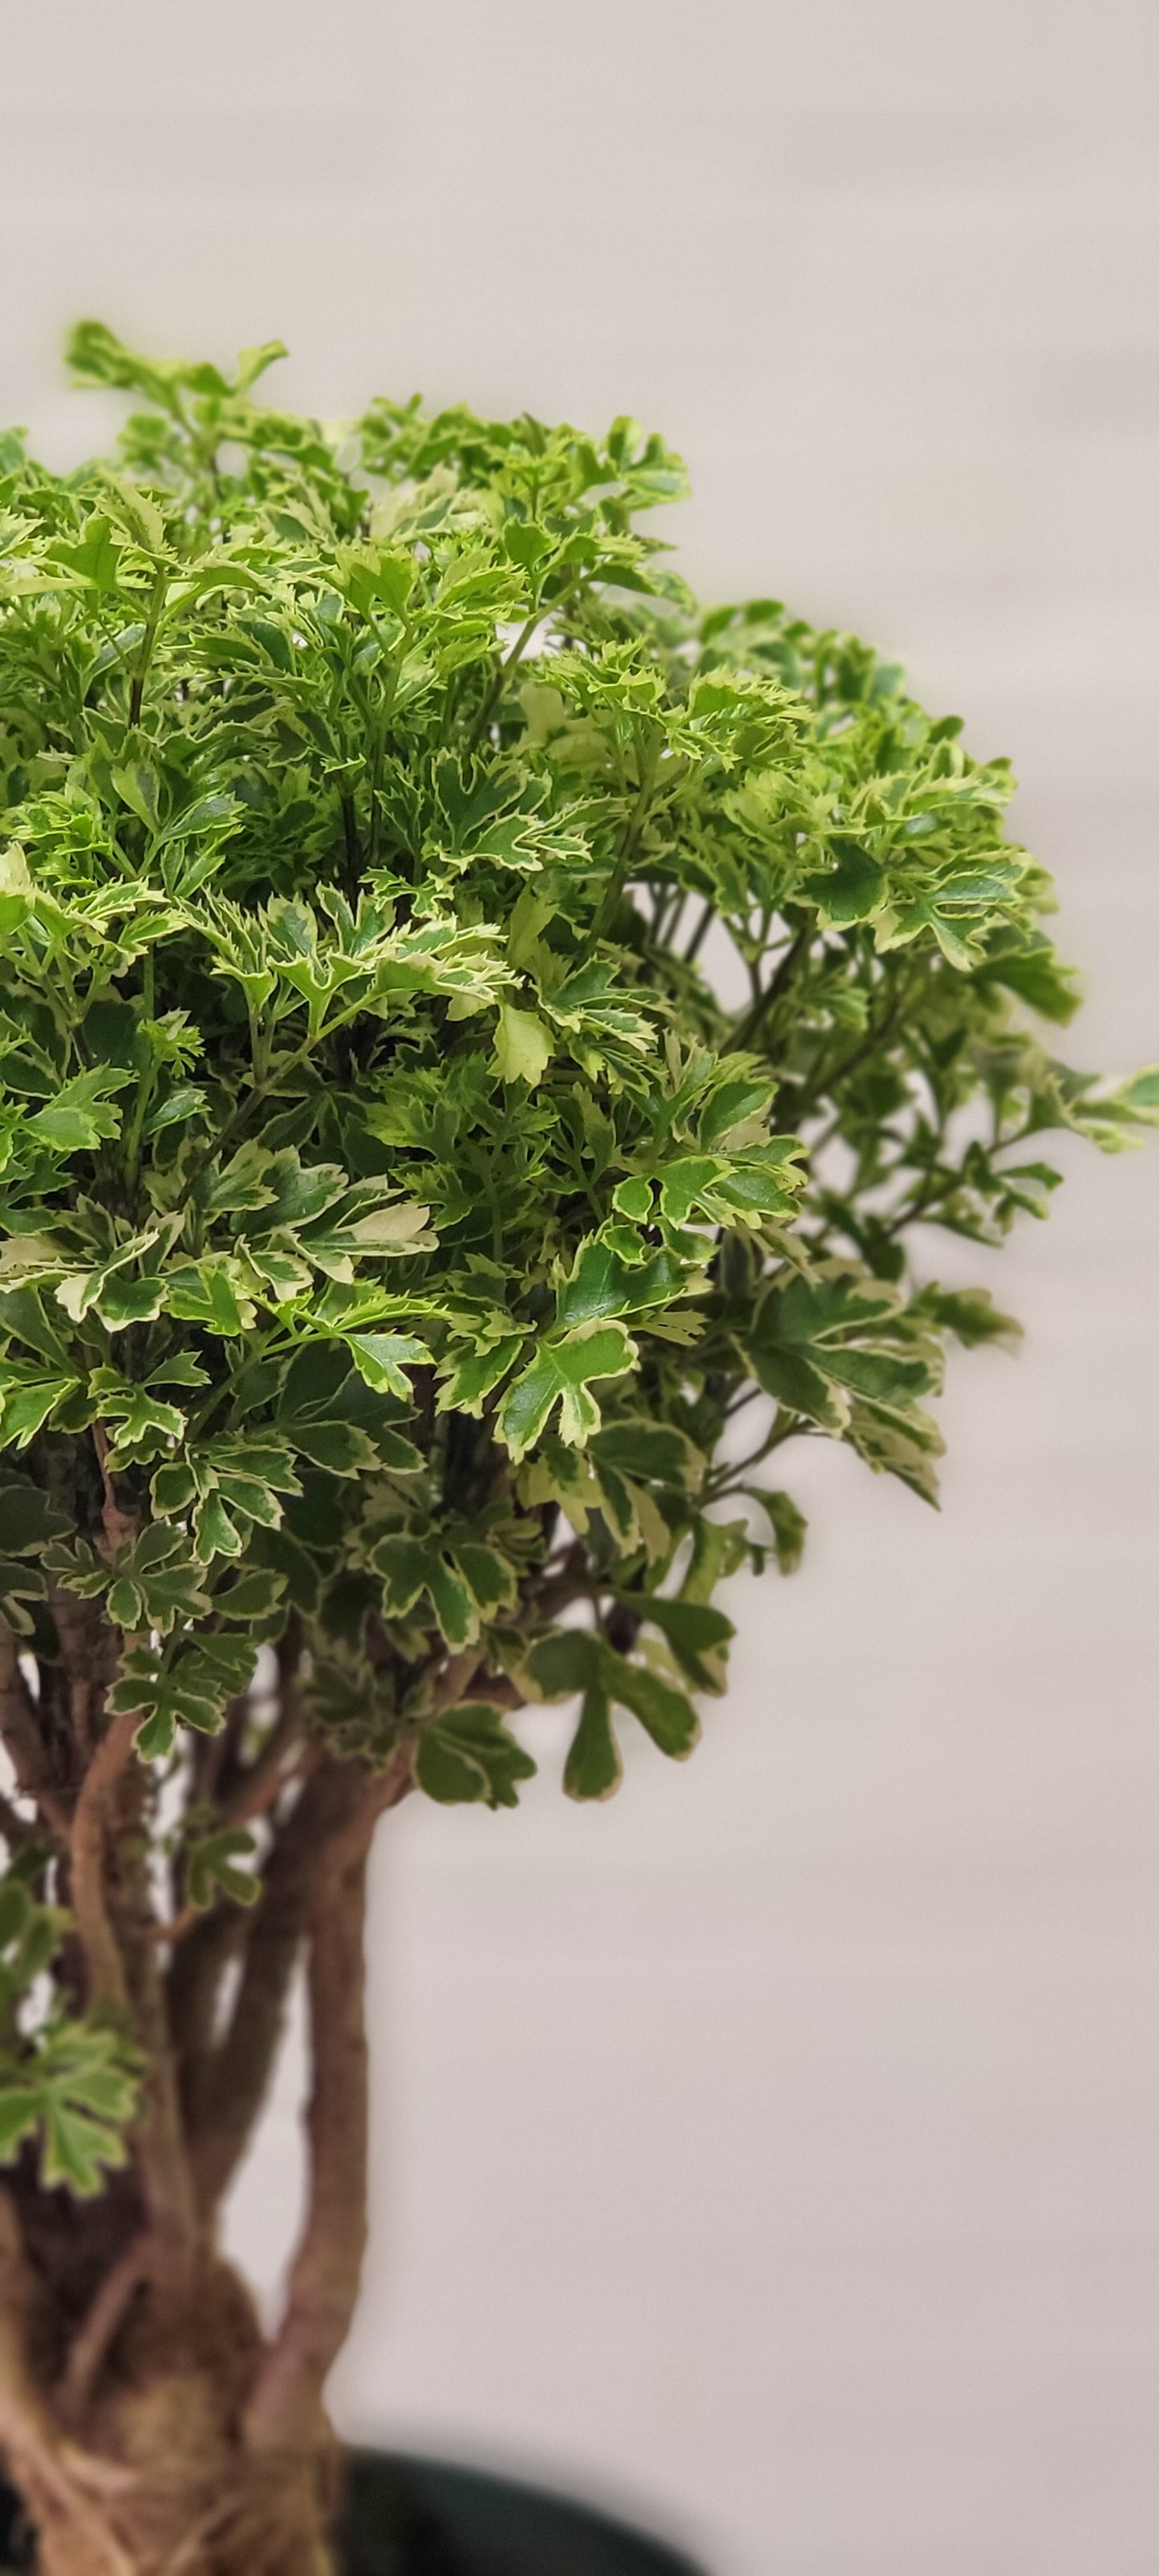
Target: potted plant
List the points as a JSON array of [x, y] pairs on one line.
[[414, 1258]]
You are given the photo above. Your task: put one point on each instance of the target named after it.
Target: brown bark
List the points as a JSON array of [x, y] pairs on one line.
[[148, 2426], [88, 1850], [157, 2479], [286, 2407], [135, 2461], [225, 2090], [270, 2522]]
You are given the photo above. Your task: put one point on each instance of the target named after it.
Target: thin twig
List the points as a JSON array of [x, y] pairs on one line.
[[875, 1037], [251, 1792], [148, 639], [100, 2324], [700, 931], [751, 1024], [503, 674]]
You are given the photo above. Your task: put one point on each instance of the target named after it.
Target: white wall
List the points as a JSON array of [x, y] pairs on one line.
[[777, 2149]]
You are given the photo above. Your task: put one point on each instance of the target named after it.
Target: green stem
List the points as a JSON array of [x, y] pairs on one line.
[[701, 930], [716, 1486], [148, 1082], [502, 675], [874, 1038], [631, 841], [236, 1125], [148, 639], [751, 1024], [353, 853]]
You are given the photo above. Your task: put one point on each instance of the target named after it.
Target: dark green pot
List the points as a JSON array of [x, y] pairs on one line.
[[406, 2517], [427, 2518]]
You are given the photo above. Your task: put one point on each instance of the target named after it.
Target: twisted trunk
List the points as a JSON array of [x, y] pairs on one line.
[[148, 2426], [157, 2478]]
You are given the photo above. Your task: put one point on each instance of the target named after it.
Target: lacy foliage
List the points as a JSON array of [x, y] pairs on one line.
[[397, 1206]]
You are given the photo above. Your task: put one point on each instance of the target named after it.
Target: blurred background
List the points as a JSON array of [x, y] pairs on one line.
[[774, 2153]]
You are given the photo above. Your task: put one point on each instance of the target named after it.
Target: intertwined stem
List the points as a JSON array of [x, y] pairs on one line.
[[286, 2405], [91, 2339]]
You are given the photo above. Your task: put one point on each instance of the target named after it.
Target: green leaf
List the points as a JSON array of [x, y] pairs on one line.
[[667, 1716], [594, 1766], [30, 1937], [523, 1048], [818, 1342], [79, 1118], [76, 2090], [16, 887], [697, 1634], [194, 1690], [656, 1451], [153, 1580], [470, 1375], [383, 1358], [970, 1314], [413, 1569], [387, 835], [683, 1183], [338, 1446], [253, 1596], [29, 1518], [29, 1396], [578, 1659], [20, 1585], [212, 1864], [601, 1283], [466, 1756], [562, 1373], [787, 1524], [145, 1425]]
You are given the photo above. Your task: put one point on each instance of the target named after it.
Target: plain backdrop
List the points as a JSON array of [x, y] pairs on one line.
[[774, 2151]]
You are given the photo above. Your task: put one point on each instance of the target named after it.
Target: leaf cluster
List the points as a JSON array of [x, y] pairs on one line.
[[471, 1025]]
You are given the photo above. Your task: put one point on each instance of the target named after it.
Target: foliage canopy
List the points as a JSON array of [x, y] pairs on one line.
[[398, 1208]]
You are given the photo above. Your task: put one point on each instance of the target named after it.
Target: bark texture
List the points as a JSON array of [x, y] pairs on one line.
[[148, 2425]]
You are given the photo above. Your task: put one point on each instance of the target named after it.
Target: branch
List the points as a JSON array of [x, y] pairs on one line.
[[24, 2423], [106, 1969], [149, 637], [286, 2404], [252, 1792], [158, 2136], [503, 674], [99, 2325], [751, 1024], [455, 1680], [225, 2094], [22, 1740], [875, 1036], [700, 932], [119, 1526], [88, 1655], [192, 1988], [498, 1692]]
